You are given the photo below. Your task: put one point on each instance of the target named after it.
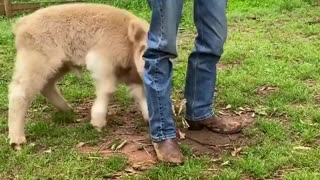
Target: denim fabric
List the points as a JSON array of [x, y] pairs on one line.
[[211, 25]]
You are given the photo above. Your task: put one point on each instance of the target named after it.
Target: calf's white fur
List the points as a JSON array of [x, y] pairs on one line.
[[52, 41]]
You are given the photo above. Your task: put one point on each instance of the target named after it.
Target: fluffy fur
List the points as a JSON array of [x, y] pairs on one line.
[[52, 41]]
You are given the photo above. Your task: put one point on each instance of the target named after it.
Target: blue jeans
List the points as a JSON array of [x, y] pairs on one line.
[[211, 24]]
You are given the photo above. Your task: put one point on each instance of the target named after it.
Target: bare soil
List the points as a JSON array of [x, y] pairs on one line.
[[126, 124]]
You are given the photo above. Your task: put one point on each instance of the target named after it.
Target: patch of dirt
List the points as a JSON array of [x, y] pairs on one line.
[[248, 113], [138, 149], [82, 110], [317, 98], [310, 83], [280, 173], [266, 90], [317, 142], [247, 177], [128, 128], [316, 21], [205, 142], [224, 66], [244, 114]]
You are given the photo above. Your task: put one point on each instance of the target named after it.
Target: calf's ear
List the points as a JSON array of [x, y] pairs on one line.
[[136, 31]]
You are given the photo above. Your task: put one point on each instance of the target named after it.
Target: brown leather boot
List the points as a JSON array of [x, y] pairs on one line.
[[168, 151], [217, 125]]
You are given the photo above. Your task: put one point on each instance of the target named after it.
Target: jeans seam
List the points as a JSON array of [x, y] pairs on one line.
[[161, 26], [159, 100], [159, 59]]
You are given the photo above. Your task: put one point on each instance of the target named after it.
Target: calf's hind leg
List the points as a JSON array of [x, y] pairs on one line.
[[29, 77], [52, 93]]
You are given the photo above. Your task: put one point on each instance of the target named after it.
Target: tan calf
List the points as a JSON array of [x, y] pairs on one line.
[[52, 41]]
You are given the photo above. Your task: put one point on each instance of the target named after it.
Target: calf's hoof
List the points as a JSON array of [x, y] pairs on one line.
[[16, 143]]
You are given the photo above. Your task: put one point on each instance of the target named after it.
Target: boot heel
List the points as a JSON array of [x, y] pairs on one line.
[[195, 126]]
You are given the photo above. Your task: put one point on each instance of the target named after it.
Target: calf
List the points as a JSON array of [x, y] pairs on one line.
[[52, 41]]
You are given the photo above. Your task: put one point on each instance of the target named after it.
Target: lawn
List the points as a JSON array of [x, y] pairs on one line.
[[269, 73]]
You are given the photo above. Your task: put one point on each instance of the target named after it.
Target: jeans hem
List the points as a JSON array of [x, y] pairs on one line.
[[163, 137], [200, 118]]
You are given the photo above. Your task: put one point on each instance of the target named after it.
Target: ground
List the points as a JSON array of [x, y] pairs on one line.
[[269, 74]]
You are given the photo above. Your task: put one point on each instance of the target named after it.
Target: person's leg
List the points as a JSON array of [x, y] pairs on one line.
[[158, 77], [211, 23]]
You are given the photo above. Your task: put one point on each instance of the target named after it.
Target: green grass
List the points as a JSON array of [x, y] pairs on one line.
[[275, 42]]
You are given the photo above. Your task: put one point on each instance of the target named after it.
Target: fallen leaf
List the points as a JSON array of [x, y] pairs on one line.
[[48, 151], [307, 123], [140, 167], [222, 113], [236, 151], [224, 145], [212, 169], [181, 135], [113, 147], [184, 123], [123, 143], [261, 111], [81, 120], [112, 176], [173, 110], [93, 157], [228, 106], [301, 148], [182, 104], [247, 109], [216, 160], [266, 89], [317, 97], [238, 113], [272, 88], [225, 163], [114, 144], [80, 144], [130, 171]]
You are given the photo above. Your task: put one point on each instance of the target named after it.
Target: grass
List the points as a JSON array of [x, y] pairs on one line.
[[273, 42]]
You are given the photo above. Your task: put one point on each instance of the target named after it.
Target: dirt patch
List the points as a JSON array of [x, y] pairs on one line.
[[133, 141], [82, 110], [130, 132], [247, 177], [317, 98], [224, 66], [316, 21], [317, 142], [266, 90], [205, 142], [137, 148], [311, 83], [282, 172]]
